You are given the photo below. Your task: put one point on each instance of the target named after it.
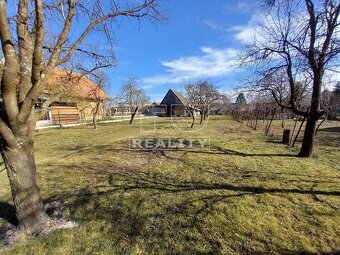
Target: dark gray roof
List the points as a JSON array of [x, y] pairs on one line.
[[183, 100]]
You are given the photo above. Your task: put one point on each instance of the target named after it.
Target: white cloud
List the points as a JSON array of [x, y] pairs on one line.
[[237, 6], [246, 34], [331, 78], [212, 63], [261, 23], [215, 26], [162, 79]]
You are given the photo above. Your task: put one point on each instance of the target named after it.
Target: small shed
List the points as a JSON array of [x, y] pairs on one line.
[[64, 113], [175, 103]]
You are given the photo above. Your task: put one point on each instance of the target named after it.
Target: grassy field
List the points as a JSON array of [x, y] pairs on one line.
[[248, 195]]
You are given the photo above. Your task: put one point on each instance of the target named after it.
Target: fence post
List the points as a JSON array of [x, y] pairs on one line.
[[286, 136], [59, 119]]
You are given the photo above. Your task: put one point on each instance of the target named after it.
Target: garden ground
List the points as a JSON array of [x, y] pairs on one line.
[[248, 195]]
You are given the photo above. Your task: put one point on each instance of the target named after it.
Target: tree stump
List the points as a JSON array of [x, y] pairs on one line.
[[286, 136]]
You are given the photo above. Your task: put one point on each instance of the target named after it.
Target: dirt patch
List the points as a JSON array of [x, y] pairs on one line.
[[11, 233]]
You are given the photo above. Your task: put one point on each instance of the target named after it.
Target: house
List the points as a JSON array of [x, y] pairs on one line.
[[123, 110], [156, 109], [219, 107], [74, 99], [175, 104]]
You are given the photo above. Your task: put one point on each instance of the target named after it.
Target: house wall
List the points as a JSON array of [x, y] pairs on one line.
[[178, 110], [159, 111], [86, 110], [62, 115], [124, 111]]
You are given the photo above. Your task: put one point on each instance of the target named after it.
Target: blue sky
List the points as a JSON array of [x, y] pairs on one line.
[[201, 39]]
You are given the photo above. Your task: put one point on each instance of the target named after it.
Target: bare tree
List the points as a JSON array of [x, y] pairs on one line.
[[42, 36], [208, 94], [132, 97], [97, 95], [301, 47], [222, 105], [193, 100], [330, 102], [201, 94]]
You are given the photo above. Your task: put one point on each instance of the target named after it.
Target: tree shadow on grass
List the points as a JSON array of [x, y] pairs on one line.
[[175, 227], [7, 212], [329, 136], [274, 141], [167, 184], [330, 129], [226, 151], [150, 212], [160, 214], [7, 216], [214, 150]]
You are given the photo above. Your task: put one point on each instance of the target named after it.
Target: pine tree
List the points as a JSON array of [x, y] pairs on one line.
[[241, 99]]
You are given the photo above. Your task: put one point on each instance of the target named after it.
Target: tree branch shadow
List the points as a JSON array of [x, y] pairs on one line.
[[214, 150], [175, 218]]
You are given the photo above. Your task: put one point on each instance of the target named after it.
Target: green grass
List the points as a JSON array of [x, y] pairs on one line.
[[248, 195]]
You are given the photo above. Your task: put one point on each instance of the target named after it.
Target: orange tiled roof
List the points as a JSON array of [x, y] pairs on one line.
[[73, 85]]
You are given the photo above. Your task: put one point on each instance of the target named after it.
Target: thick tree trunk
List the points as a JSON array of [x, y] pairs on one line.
[[21, 172], [313, 116], [308, 138], [133, 114]]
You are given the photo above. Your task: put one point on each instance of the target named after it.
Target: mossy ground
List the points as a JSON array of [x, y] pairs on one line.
[[248, 195]]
